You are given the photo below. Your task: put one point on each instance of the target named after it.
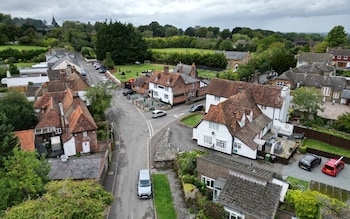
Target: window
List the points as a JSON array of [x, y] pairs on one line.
[[209, 182], [192, 85], [326, 91], [338, 57], [335, 95], [237, 145], [84, 133], [58, 131], [213, 125], [220, 143], [207, 140], [281, 83], [166, 96], [216, 98], [155, 93], [166, 88], [345, 57]]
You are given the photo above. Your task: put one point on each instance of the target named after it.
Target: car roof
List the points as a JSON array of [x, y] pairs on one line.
[[156, 111], [309, 157]]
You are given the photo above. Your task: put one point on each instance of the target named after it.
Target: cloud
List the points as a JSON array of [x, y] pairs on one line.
[[276, 15]]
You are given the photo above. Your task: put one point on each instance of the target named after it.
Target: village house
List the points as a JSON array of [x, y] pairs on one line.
[[245, 191], [341, 58], [65, 124], [176, 87], [236, 58]]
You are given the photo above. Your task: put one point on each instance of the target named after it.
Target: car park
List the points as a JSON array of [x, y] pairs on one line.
[[309, 162], [197, 107], [333, 166], [158, 113], [144, 184]]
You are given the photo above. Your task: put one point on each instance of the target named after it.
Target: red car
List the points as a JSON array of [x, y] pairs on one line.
[[333, 166]]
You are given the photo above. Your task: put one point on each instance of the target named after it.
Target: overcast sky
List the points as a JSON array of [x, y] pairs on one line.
[[276, 15]]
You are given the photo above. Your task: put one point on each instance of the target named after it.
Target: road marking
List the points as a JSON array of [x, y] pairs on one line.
[[179, 115]]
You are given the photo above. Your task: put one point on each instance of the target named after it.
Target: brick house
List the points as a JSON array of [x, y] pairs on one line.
[[244, 190], [235, 59], [174, 88], [341, 58], [66, 123]]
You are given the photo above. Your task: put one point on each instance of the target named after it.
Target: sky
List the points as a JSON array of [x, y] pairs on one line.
[[308, 16]]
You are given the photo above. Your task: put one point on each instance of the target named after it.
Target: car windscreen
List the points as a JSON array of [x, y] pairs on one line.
[[329, 167], [144, 183]]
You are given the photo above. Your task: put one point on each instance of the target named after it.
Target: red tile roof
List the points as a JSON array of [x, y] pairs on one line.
[[267, 95], [26, 139]]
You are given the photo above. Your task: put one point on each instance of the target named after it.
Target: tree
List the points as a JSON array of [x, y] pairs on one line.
[[7, 139], [65, 199], [19, 111], [343, 123], [306, 203], [23, 177], [226, 45], [13, 69], [99, 99], [109, 61], [124, 42], [308, 100], [336, 37], [225, 34], [190, 31]]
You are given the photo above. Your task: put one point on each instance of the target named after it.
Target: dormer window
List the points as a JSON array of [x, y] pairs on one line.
[[338, 57], [250, 116], [345, 57], [242, 122], [156, 78], [168, 81]]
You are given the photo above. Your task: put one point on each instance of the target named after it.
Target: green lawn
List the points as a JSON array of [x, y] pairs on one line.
[[162, 197], [184, 50], [192, 119], [21, 47], [310, 143], [134, 71]]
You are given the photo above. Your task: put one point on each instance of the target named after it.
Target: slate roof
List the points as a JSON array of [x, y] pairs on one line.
[[266, 95], [77, 168], [311, 57], [231, 111], [340, 52], [234, 55], [26, 139], [251, 197], [313, 80]]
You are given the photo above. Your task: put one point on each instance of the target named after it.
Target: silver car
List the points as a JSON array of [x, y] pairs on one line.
[[144, 184], [158, 113]]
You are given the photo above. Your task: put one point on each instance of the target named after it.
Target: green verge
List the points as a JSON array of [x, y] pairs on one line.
[[162, 197], [310, 143], [192, 119], [184, 50], [21, 47]]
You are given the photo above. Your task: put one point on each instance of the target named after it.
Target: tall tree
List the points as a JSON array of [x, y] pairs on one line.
[[7, 139], [225, 34], [18, 110], [124, 42], [99, 99], [23, 177], [65, 199], [190, 31], [336, 37], [308, 100]]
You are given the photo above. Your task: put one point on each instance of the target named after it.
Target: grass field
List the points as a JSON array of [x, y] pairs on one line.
[[162, 197], [184, 50], [21, 47], [326, 147]]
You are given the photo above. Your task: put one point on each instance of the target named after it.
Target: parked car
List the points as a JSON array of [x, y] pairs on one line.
[[333, 166], [125, 93], [102, 69], [158, 113], [144, 184], [309, 162], [197, 107]]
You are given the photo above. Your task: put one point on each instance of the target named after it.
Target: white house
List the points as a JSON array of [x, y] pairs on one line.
[[234, 126], [273, 101]]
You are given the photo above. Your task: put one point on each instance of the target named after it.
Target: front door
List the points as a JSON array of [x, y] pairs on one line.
[[86, 147]]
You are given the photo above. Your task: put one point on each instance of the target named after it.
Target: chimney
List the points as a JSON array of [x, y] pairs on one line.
[[194, 71], [166, 69]]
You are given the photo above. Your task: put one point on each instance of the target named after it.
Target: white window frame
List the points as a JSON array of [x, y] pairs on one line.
[[85, 134], [221, 143], [336, 95], [214, 125], [208, 140], [209, 182], [166, 88], [216, 98], [237, 145], [326, 91], [166, 96]]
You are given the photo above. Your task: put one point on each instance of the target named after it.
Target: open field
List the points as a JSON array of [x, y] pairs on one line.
[[21, 47], [184, 50]]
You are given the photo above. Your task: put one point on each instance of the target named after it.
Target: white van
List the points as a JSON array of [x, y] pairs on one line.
[[144, 184]]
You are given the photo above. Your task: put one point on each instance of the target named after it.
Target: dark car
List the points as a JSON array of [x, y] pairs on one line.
[[309, 162], [102, 69], [128, 92], [197, 107]]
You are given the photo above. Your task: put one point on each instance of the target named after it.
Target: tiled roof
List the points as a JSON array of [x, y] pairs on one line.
[[266, 95], [251, 197], [50, 117], [231, 111], [234, 55], [80, 119], [26, 139], [165, 79], [340, 52], [140, 81], [314, 57]]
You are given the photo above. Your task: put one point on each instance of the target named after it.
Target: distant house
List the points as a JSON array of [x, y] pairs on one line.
[[66, 123], [141, 85], [26, 139], [244, 190], [174, 88], [310, 59], [235, 59], [234, 126], [63, 67], [341, 58], [331, 87], [53, 55]]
